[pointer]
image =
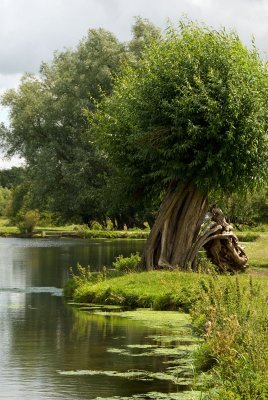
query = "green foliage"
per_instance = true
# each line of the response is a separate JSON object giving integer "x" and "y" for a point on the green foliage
{"x": 127, "y": 264}
{"x": 143, "y": 32}
{"x": 204, "y": 265}
{"x": 81, "y": 276}
{"x": 20, "y": 201}
{"x": 10, "y": 178}
{"x": 192, "y": 110}
{"x": 95, "y": 226}
{"x": 28, "y": 221}
{"x": 49, "y": 130}
{"x": 5, "y": 199}
{"x": 48, "y": 218}
{"x": 245, "y": 209}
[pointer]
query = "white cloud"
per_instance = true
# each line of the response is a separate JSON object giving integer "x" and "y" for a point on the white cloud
{"x": 30, "y": 30}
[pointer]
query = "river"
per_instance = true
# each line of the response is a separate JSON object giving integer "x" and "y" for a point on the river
{"x": 51, "y": 350}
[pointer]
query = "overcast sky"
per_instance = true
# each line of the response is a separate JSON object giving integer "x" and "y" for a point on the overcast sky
{"x": 31, "y": 30}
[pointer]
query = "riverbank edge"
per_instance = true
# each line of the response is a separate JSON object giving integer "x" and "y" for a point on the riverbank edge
{"x": 224, "y": 310}
{"x": 86, "y": 233}
{"x": 90, "y": 234}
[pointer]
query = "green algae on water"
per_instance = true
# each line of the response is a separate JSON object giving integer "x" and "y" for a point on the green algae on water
{"x": 188, "y": 395}
{"x": 132, "y": 375}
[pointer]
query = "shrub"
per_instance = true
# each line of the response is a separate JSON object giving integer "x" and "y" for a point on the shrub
{"x": 127, "y": 264}
{"x": 96, "y": 226}
{"x": 28, "y": 221}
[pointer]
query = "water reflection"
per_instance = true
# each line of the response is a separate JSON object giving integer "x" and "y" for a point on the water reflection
{"x": 46, "y": 262}
{"x": 41, "y": 335}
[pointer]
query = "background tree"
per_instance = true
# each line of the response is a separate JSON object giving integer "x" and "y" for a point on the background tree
{"x": 190, "y": 118}
{"x": 10, "y": 178}
{"x": 48, "y": 127}
{"x": 246, "y": 209}
{"x": 5, "y": 199}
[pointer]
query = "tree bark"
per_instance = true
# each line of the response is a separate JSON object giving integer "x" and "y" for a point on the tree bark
{"x": 176, "y": 237}
{"x": 176, "y": 228}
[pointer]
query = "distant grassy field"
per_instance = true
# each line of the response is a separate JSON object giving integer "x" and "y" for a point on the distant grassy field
{"x": 257, "y": 251}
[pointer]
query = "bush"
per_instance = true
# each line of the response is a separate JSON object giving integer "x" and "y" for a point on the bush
{"x": 96, "y": 226}
{"x": 28, "y": 221}
{"x": 127, "y": 264}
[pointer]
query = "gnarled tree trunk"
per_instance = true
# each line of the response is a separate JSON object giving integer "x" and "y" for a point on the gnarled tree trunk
{"x": 176, "y": 228}
{"x": 176, "y": 236}
{"x": 222, "y": 245}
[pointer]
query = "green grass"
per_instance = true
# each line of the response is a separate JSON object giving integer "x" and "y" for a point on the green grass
{"x": 5, "y": 229}
{"x": 101, "y": 234}
{"x": 258, "y": 251}
{"x": 157, "y": 289}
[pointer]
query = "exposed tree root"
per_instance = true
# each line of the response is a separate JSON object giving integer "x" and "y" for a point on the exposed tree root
{"x": 177, "y": 236}
{"x": 222, "y": 245}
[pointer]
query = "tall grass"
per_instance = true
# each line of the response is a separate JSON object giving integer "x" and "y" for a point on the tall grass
{"x": 232, "y": 316}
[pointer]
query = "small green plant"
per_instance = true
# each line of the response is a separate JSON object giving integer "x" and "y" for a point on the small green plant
{"x": 82, "y": 276}
{"x": 127, "y": 264}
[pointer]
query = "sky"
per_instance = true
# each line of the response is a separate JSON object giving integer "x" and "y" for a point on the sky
{"x": 31, "y": 30}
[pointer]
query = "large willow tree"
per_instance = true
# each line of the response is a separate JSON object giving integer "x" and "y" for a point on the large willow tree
{"x": 189, "y": 119}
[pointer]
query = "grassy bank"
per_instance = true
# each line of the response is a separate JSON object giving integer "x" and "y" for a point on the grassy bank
{"x": 79, "y": 231}
{"x": 229, "y": 312}
{"x": 159, "y": 290}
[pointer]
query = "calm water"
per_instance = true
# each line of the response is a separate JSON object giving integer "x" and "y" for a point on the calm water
{"x": 40, "y": 335}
